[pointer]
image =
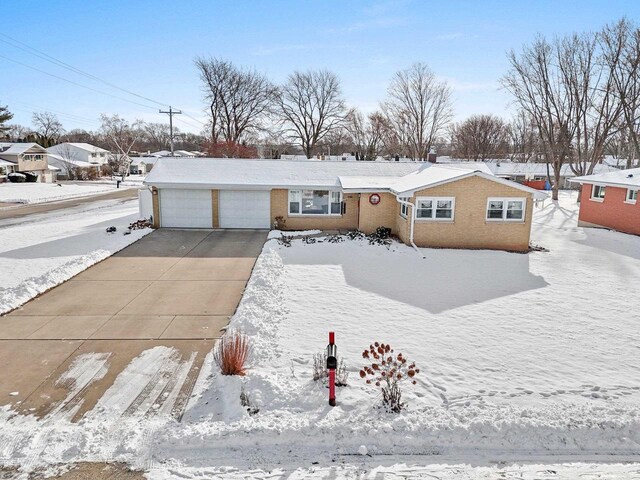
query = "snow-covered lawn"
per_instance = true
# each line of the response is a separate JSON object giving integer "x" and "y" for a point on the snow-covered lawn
{"x": 41, "y": 251}
{"x": 48, "y": 192}
{"x": 520, "y": 355}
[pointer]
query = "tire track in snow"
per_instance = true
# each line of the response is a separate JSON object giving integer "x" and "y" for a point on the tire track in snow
{"x": 83, "y": 371}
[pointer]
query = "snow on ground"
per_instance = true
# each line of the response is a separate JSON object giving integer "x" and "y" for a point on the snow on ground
{"x": 49, "y": 192}
{"x": 529, "y": 369}
{"x": 520, "y": 355}
{"x": 138, "y": 403}
{"x": 38, "y": 252}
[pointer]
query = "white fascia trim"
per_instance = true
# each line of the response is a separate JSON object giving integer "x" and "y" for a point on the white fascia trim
{"x": 628, "y": 186}
{"x": 502, "y": 181}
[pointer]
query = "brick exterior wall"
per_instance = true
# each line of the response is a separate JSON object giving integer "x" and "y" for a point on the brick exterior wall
{"x": 215, "y": 203}
{"x": 280, "y": 208}
{"x": 384, "y": 214}
{"x": 469, "y": 228}
{"x": 612, "y": 213}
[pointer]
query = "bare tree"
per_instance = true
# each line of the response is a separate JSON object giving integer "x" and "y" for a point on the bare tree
{"x": 238, "y": 99}
{"x": 587, "y": 71}
{"x": 311, "y": 107}
{"x": 621, "y": 46}
{"x": 523, "y": 142}
{"x": 16, "y": 133}
{"x": 480, "y": 137}
{"x": 419, "y": 108}
{"x": 121, "y": 136}
{"x": 157, "y": 136}
{"x": 48, "y": 128}
{"x": 536, "y": 82}
{"x": 369, "y": 135}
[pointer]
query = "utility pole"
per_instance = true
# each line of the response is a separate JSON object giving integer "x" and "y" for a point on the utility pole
{"x": 171, "y": 113}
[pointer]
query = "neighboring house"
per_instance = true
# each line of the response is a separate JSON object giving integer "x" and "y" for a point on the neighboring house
{"x": 610, "y": 200}
{"x": 522, "y": 172}
{"x": 83, "y": 152}
{"x": 138, "y": 166}
{"x": 67, "y": 166}
{"x": 27, "y": 158}
{"x": 452, "y": 206}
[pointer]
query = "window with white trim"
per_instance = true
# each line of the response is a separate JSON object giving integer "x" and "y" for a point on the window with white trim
{"x": 632, "y": 196}
{"x": 435, "y": 208}
{"x": 404, "y": 208}
{"x": 506, "y": 209}
{"x": 315, "y": 202}
{"x": 597, "y": 192}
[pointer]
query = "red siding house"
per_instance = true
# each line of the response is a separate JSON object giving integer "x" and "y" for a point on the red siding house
{"x": 610, "y": 200}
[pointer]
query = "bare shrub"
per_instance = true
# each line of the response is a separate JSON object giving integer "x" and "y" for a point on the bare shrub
{"x": 245, "y": 401}
{"x": 320, "y": 372}
{"x": 387, "y": 370}
{"x": 232, "y": 352}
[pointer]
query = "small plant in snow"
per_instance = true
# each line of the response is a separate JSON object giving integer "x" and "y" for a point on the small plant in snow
{"x": 284, "y": 240}
{"x": 355, "y": 235}
{"x": 231, "y": 353}
{"x": 279, "y": 223}
{"x": 382, "y": 236}
{"x": 308, "y": 240}
{"x": 387, "y": 370}
{"x": 245, "y": 401}
{"x": 335, "y": 238}
{"x": 320, "y": 372}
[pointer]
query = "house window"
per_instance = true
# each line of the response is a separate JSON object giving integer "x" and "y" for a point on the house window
{"x": 506, "y": 209}
{"x": 435, "y": 208}
{"x": 597, "y": 193}
{"x": 632, "y": 196}
{"x": 404, "y": 208}
{"x": 315, "y": 202}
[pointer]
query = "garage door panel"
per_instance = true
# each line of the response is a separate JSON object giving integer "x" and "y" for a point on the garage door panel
{"x": 245, "y": 208}
{"x": 181, "y": 208}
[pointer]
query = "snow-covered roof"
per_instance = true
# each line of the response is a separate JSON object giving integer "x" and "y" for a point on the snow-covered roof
{"x": 508, "y": 169}
{"x": 256, "y": 173}
{"x": 396, "y": 177}
{"x": 18, "y": 148}
{"x": 59, "y": 161}
{"x": 619, "y": 178}
{"x": 6, "y": 163}
{"x": 83, "y": 146}
{"x": 366, "y": 184}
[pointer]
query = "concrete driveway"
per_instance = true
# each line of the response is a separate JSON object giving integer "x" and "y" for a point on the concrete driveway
{"x": 173, "y": 288}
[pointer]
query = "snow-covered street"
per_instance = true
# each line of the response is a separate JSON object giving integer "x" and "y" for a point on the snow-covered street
{"x": 49, "y": 192}
{"x": 39, "y": 252}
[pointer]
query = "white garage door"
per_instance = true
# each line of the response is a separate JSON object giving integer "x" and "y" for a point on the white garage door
{"x": 245, "y": 209}
{"x": 185, "y": 208}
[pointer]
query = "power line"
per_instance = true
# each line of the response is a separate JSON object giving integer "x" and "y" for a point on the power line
{"x": 75, "y": 83}
{"x": 49, "y": 58}
{"x": 55, "y": 61}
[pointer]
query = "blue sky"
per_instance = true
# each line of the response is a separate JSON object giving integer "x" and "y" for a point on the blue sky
{"x": 148, "y": 47}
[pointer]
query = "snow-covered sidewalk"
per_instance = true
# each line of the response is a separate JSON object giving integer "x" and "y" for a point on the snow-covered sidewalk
{"x": 41, "y": 251}
{"x": 49, "y": 192}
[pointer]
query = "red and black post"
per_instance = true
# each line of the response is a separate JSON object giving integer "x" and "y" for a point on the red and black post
{"x": 332, "y": 364}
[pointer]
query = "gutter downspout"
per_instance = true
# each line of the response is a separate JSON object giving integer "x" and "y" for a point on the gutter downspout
{"x": 413, "y": 218}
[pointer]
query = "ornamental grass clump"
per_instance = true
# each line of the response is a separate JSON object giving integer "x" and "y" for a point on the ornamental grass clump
{"x": 231, "y": 353}
{"x": 387, "y": 371}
